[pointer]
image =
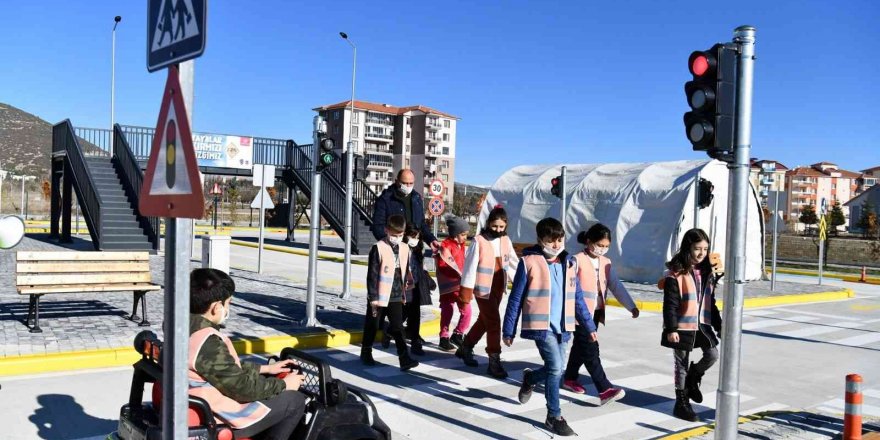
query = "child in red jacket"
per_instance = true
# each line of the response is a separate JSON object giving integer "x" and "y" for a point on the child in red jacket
{"x": 450, "y": 262}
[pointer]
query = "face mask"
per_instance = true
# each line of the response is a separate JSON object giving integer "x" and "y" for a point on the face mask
{"x": 549, "y": 252}
{"x": 492, "y": 234}
{"x": 225, "y": 316}
{"x": 406, "y": 189}
{"x": 394, "y": 241}
{"x": 412, "y": 243}
{"x": 598, "y": 251}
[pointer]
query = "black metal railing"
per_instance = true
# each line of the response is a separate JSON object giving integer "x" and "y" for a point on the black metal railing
{"x": 95, "y": 142}
{"x": 132, "y": 177}
{"x": 65, "y": 140}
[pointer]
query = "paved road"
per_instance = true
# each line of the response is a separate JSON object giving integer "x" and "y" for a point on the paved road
{"x": 793, "y": 357}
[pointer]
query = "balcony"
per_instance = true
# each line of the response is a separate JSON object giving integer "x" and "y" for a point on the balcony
{"x": 381, "y": 137}
{"x": 432, "y": 152}
{"x": 433, "y": 125}
{"x": 379, "y": 150}
{"x": 371, "y": 179}
{"x": 379, "y": 121}
{"x": 803, "y": 182}
{"x": 433, "y": 140}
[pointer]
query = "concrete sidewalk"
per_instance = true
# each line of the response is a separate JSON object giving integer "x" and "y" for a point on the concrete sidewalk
{"x": 784, "y": 425}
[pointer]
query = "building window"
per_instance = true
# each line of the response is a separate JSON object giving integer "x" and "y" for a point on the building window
{"x": 446, "y": 151}
{"x": 335, "y": 114}
{"x": 445, "y": 163}
{"x": 354, "y": 145}
{"x": 446, "y": 123}
{"x": 407, "y": 134}
{"x": 445, "y": 137}
{"x": 335, "y": 129}
{"x": 354, "y": 132}
{"x": 354, "y": 117}
{"x": 446, "y": 177}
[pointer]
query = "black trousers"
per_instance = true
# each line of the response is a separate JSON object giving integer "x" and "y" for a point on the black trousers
{"x": 287, "y": 410}
{"x": 414, "y": 317}
{"x": 586, "y": 352}
{"x": 394, "y": 312}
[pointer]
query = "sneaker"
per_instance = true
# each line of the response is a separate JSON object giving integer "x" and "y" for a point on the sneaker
{"x": 558, "y": 426}
{"x": 573, "y": 386}
{"x": 416, "y": 349}
{"x": 407, "y": 363}
{"x": 445, "y": 345}
{"x": 367, "y": 358}
{"x": 457, "y": 339}
{"x": 611, "y": 395}
{"x": 525, "y": 390}
{"x": 466, "y": 353}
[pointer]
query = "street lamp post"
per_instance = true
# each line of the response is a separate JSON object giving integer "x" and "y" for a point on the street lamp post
{"x": 216, "y": 191}
{"x": 349, "y": 167}
{"x": 116, "y": 21}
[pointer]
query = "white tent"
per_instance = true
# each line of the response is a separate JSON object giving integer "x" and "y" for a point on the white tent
{"x": 647, "y": 206}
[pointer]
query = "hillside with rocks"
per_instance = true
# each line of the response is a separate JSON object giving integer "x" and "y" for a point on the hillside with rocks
{"x": 25, "y": 142}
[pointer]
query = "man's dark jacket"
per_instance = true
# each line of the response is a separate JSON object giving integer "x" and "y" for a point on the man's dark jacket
{"x": 389, "y": 204}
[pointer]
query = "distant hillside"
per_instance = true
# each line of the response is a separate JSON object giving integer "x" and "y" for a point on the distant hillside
{"x": 470, "y": 189}
{"x": 25, "y": 142}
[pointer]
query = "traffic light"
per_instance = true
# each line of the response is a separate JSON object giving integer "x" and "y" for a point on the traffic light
{"x": 325, "y": 152}
{"x": 704, "y": 194}
{"x": 556, "y": 186}
{"x": 712, "y": 97}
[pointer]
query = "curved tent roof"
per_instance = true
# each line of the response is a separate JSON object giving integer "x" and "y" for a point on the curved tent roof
{"x": 647, "y": 206}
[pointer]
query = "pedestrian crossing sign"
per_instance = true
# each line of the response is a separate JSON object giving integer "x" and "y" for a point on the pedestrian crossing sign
{"x": 176, "y": 31}
{"x": 172, "y": 187}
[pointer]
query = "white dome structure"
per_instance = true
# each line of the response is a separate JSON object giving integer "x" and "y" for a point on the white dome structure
{"x": 647, "y": 206}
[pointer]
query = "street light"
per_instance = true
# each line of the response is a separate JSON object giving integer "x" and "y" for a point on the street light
{"x": 216, "y": 191}
{"x": 116, "y": 21}
{"x": 349, "y": 165}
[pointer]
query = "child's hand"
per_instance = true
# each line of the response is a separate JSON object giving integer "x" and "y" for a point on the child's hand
{"x": 594, "y": 337}
{"x": 292, "y": 382}
{"x": 278, "y": 367}
{"x": 375, "y": 306}
{"x": 635, "y": 312}
{"x": 508, "y": 341}
{"x": 672, "y": 337}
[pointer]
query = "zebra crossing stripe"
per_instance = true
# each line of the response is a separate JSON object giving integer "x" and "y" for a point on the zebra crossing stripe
{"x": 838, "y": 405}
{"x": 859, "y": 340}
{"x": 411, "y": 425}
{"x": 816, "y": 330}
{"x": 755, "y": 325}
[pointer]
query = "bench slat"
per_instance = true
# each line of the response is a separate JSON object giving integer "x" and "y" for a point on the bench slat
{"x": 75, "y": 267}
{"x": 82, "y": 256}
{"x": 73, "y": 288}
{"x": 98, "y": 278}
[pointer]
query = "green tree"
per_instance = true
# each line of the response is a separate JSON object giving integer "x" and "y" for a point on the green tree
{"x": 808, "y": 217}
{"x": 868, "y": 221}
{"x": 836, "y": 218}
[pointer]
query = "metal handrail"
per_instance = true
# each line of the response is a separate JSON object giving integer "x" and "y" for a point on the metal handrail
{"x": 64, "y": 140}
{"x": 125, "y": 163}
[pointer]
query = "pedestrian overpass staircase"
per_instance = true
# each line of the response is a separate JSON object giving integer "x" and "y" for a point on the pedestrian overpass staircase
{"x": 108, "y": 186}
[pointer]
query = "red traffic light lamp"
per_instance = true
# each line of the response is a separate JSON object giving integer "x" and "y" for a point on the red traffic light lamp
{"x": 711, "y": 95}
{"x": 556, "y": 186}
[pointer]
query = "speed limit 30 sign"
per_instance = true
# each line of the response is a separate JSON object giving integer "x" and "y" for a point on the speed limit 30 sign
{"x": 437, "y": 187}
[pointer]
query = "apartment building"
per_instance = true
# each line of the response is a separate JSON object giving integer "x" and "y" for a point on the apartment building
{"x": 808, "y": 185}
{"x": 391, "y": 138}
{"x": 768, "y": 177}
{"x": 869, "y": 178}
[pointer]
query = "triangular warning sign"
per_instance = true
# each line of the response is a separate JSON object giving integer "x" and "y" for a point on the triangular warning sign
{"x": 176, "y": 22}
{"x": 172, "y": 187}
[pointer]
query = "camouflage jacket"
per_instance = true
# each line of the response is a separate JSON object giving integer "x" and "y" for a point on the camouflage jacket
{"x": 217, "y": 365}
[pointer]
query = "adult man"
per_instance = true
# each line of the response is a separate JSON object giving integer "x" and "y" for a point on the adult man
{"x": 399, "y": 198}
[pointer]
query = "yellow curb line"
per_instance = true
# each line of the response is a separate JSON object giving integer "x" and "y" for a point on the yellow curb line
{"x": 657, "y": 306}
{"x": 700, "y": 430}
{"x": 122, "y": 356}
{"x": 275, "y": 248}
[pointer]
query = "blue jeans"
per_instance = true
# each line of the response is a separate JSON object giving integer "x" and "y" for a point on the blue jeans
{"x": 552, "y": 351}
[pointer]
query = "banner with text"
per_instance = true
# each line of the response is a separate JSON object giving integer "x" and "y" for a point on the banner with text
{"x": 219, "y": 150}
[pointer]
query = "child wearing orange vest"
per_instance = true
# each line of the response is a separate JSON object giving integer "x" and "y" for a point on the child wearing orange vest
{"x": 244, "y": 395}
{"x": 450, "y": 261}
{"x": 489, "y": 263}
{"x": 596, "y": 277}
{"x": 387, "y": 268}
{"x": 689, "y": 317}
{"x": 547, "y": 292}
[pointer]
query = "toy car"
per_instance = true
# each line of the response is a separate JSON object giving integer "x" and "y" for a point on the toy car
{"x": 334, "y": 411}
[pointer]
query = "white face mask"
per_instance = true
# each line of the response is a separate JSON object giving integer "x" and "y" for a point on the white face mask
{"x": 225, "y": 316}
{"x": 549, "y": 252}
{"x": 394, "y": 241}
{"x": 412, "y": 243}
{"x": 406, "y": 189}
{"x": 598, "y": 251}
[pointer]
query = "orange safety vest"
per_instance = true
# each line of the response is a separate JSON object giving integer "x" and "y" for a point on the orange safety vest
{"x": 486, "y": 264}
{"x": 237, "y": 415}
{"x": 536, "y": 307}
{"x": 693, "y": 303}
{"x": 446, "y": 282}
{"x": 594, "y": 290}
{"x": 387, "y": 268}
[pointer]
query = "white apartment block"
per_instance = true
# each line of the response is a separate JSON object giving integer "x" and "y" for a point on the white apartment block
{"x": 391, "y": 138}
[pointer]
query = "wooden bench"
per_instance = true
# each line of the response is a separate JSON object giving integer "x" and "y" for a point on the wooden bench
{"x": 42, "y": 273}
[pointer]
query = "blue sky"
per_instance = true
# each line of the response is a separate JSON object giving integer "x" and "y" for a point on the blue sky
{"x": 533, "y": 82}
